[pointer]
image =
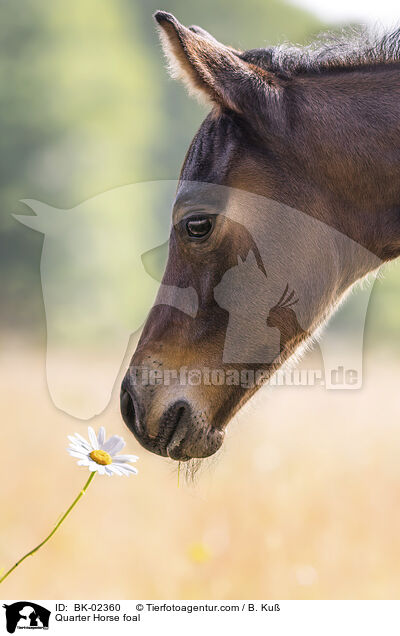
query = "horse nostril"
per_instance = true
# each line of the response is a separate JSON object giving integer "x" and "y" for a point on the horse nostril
{"x": 128, "y": 411}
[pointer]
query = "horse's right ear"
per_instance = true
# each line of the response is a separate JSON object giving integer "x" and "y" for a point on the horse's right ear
{"x": 211, "y": 70}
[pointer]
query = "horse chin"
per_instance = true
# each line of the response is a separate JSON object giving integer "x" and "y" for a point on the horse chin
{"x": 188, "y": 442}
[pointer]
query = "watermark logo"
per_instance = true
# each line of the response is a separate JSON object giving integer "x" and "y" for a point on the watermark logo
{"x": 26, "y": 615}
{"x": 101, "y": 271}
{"x": 243, "y": 378}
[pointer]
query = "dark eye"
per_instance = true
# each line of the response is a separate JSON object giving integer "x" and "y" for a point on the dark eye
{"x": 198, "y": 227}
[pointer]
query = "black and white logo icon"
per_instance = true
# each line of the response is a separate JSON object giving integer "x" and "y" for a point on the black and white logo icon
{"x": 26, "y": 615}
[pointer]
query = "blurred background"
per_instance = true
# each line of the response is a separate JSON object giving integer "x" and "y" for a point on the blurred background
{"x": 303, "y": 501}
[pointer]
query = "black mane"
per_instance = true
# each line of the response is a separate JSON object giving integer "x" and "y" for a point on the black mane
{"x": 350, "y": 50}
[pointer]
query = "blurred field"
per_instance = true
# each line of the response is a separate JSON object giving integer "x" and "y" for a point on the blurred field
{"x": 303, "y": 502}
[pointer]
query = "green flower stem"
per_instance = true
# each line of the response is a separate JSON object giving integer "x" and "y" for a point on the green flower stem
{"x": 65, "y": 515}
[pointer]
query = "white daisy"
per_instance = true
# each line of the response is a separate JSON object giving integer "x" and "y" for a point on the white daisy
{"x": 101, "y": 455}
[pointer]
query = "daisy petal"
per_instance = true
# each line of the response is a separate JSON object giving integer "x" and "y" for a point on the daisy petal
{"x": 126, "y": 458}
{"x": 78, "y": 449}
{"x": 83, "y": 462}
{"x": 114, "y": 469}
{"x": 128, "y": 468}
{"x": 123, "y": 470}
{"x": 114, "y": 445}
{"x": 76, "y": 442}
{"x": 77, "y": 454}
{"x": 93, "y": 438}
{"x": 82, "y": 440}
{"x": 101, "y": 436}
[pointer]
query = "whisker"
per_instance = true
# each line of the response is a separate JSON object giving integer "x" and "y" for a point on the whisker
{"x": 289, "y": 297}
{"x": 292, "y": 303}
{"x": 283, "y": 295}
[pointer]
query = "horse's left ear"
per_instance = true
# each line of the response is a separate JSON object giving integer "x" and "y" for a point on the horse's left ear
{"x": 211, "y": 70}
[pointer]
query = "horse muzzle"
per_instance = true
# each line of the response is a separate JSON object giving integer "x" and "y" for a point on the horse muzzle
{"x": 178, "y": 430}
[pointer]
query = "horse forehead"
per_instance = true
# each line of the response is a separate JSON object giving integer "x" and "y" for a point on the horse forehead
{"x": 213, "y": 151}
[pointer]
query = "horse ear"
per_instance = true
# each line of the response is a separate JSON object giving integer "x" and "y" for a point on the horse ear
{"x": 211, "y": 70}
{"x": 205, "y": 34}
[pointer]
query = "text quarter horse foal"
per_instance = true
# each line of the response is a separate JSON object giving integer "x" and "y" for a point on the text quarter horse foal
{"x": 288, "y": 195}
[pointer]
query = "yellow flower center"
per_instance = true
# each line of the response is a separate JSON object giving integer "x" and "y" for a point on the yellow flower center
{"x": 101, "y": 457}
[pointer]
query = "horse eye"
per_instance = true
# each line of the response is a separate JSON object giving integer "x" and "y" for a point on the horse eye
{"x": 199, "y": 227}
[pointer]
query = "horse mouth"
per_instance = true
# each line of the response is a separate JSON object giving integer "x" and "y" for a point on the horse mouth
{"x": 176, "y": 442}
{"x": 170, "y": 438}
{"x": 178, "y": 437}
